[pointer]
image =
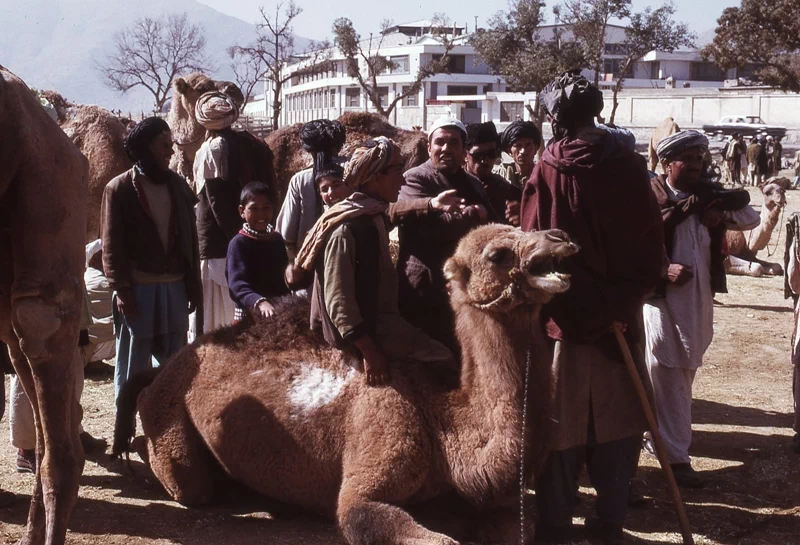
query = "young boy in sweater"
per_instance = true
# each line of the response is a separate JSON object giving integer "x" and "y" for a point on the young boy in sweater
{"x": 256, "y": 256}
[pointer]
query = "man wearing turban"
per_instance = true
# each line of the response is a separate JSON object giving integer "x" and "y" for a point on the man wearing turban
{"x": 520, "y": 140}
{"x": 596, "y": 190}
{"x": 356, "y": 281}
{"x": 679, "y": 318}
{"x": 227, "y": 161}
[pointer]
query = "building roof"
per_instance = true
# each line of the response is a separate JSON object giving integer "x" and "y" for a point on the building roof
{"x": 691, "y": 55}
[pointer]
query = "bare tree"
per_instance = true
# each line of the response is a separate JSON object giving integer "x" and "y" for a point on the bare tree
{"x": 274, "y": 49}
{"x": 589, "y": 20}
{"x": 366, "y": 65}
{"x": 648, "y": 31}
{"x": 152, "y": 53}
{"x": 248, "y": 70}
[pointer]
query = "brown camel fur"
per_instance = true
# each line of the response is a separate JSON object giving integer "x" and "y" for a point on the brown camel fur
{"x": 667, "y": 128}
{"x": 42, "y": 224}
{"x": 278, "y": 410}
{"x": 187, "y": 133}
{"x": 743, "y": 246}
{"x": 99, "y": 135}
{"x": 290, "y": 157}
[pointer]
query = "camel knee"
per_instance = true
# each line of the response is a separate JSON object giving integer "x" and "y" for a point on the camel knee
{"x": 36, "y": 321}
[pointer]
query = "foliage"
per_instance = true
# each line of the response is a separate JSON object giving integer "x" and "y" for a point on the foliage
{"x": 589, "y": 20}
{"x": 364, "y": 63}
{"x": 272, "y": 51}
{"x": 152, "y": 53}
{"x": 511, "y": 47}
{"x": 766, "y": 34}
{"x": 248, "y": 70}
{"x": 652, "y": 29}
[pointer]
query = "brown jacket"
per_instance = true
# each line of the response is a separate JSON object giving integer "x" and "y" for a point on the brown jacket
{"x": 130, "y": 237}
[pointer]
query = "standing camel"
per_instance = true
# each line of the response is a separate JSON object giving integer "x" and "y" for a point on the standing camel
{"x": 667, "y": 128}
{"x": 272, "y": 406}
{"x": 743, "y": 246}
{"x": 43, "y": 188}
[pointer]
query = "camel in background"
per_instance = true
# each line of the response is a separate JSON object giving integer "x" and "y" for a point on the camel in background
{"x": 290, "y": 157}
{"x": 667, "y": 128}
{"x": 43, "y": 188}
{"x": 743, "y": 246}
{"x": 273, "y": 407}
{"x": 187, "y": 133}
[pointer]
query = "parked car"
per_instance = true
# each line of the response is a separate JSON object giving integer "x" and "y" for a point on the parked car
{"x": 746, "y": 125}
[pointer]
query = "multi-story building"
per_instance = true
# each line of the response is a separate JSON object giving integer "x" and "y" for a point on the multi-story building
{"x": 468, "y": 91}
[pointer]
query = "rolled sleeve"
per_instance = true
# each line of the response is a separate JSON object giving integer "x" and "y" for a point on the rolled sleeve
{"x": 339, "y": 288}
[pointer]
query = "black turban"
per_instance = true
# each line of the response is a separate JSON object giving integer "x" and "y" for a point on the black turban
{"x": 137, "y": 146}
{"x": 520, "y": 129}
{"x": 570, "y": 98}
{"x": 481, "y": 133}
{"x": 322, "y": 138}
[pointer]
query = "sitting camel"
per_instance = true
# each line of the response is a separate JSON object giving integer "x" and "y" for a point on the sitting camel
{"x": 272, "y": 406}
{"x": 667, "y": 128}
{"x": 42, "y": 224}
{"x": 743, "y": 246}
{"x": 187, "y": 133}
{"x": 290, "y": 157}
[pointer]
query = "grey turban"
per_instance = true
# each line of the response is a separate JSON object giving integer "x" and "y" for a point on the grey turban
{"x": 679, "y": 142}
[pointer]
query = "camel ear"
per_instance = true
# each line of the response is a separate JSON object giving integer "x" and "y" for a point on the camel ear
{"x": 455, "y": 270}
{"x": 180, "y": 86}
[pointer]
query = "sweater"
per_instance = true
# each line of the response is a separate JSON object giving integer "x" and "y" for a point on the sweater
{"x": 254, "y": 269}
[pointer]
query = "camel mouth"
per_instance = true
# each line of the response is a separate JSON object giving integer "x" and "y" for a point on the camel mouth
{"x": 545, "y": 271}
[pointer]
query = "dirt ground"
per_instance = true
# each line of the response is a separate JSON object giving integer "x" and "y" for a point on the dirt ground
{"x": 742, "y": 434}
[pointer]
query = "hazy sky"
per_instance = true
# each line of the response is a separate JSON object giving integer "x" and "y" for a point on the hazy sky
{"x": 315, "y": 21}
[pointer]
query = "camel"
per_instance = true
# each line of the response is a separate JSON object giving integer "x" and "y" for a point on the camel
{"x": 667, "y": 128}
{"x": 43, "y": 187}
{"x": 743, "y": 246}
{"x": 271, "y": 405}
{"x": 100, "y": 136}
{"x": 290, "y": 157}
{"x": 187, "y": 133}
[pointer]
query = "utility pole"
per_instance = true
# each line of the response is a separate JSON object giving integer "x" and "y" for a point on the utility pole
{"x": 476, "y": 24}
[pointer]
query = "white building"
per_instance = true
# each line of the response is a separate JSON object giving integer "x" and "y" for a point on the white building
{"x": 469, "y": 91}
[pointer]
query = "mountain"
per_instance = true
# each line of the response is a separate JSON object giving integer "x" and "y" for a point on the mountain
{"x": 56, "y": 44}
{"x": 705, "y": 38}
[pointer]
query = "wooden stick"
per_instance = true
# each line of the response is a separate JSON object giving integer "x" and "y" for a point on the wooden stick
{"x": 661, "y": 452}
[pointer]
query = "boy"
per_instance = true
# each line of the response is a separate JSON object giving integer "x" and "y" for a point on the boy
{"x": 256, "y": 256}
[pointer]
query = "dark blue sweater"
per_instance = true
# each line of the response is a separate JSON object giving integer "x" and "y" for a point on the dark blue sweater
{"x": 254, "y": 269}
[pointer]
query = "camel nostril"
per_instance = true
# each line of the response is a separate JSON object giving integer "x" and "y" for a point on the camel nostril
{"x": 557, "y": 236}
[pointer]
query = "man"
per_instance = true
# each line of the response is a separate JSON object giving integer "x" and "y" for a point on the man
{"x": 734, "y": 158}
{"x": 679, "y": 318}
{"x": 482, "y": 151}
{"x": 6, "y": 498}
{"x": 595, "y": 189}
{"x": 796, "y": 167}
{"x": 777, "y": 156}
{"x": 753, "y": 164}
{"x": 728, "y": 152}
{"x": 427, "y": 241}
{"x": 520, "y": 140}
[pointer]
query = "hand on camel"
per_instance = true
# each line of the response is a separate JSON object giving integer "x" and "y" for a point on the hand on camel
{"x": 448, "y": 202}
{"x": 679, "y": 274}
{"x": 294, "y": 275}
{"x": 621, "y": 326}
{"x": 512, "y": 213}
{"x": 266, "y": 309}
{"x": 376, "y": 366}
{"x": 126, "y": 303}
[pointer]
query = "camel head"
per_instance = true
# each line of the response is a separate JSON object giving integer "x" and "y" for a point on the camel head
{"x": 774, "y": 196}
{"x": 498, "y": 267}
{"x": 187, "y": 90}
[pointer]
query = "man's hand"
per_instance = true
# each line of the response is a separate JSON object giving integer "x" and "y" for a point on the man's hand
{"x": 265, "y": 309}
{"x": 447, "y": 202}
{"x": 679, "y": 274}
{"x": 126, "y": 302}
{"x": 294, "y": 275}
{"x": 476, "y": 211}
{"x": 512, "y": 213}
{"x": 376, "y": 366}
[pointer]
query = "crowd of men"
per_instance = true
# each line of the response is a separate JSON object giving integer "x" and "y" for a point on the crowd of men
{"x": 650, "y": 262}
{"x": 760, "y": 159}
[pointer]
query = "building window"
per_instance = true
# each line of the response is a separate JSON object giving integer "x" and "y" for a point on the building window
{"x": 511, "y": 111}
{"x": 383, "y": 93}
{"x": 352, "y": 95}
{"x": 655, "y": 70}
{"x": 410, "y": 100}
{"x": 615, "y": 49}
{"x": 456, "y": 64}
{"x": 707, "y": 71}
{"x": 333, "y": 98}
{"x": 462, "y": 90}
{"x": 614, "y": 67}
{"x": 400, "y": 65}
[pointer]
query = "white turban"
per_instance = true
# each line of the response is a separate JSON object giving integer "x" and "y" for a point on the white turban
{"x": 216, "y": 111}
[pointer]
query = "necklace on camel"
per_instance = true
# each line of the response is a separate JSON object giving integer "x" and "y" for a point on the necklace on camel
{"x": 522, "y": 487}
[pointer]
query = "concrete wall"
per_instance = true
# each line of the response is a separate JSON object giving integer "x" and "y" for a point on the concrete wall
{"x": 697, "y": 107}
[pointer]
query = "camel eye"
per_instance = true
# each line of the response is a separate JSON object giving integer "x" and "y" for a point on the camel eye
{"x": 499, "y": 255}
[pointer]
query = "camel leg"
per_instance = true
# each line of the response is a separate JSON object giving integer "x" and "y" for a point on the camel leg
{"x": 740, "y": 267}
{"x": 175, "y": 451}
